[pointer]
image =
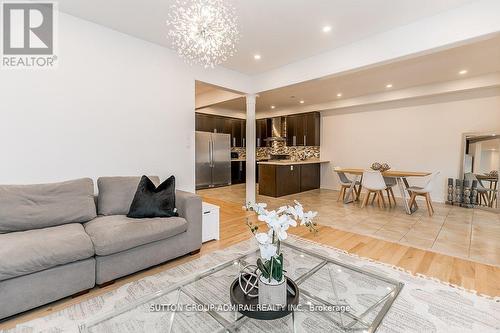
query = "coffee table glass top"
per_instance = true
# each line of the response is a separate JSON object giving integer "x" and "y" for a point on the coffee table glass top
{"x": 324, "y": 284}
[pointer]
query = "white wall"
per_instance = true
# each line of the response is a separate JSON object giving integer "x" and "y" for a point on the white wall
{"x": 116, "y": 105}
{"x": 416, "y": 135}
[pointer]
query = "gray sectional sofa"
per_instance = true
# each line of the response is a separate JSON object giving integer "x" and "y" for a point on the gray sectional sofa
{"x": 57, "y": 239}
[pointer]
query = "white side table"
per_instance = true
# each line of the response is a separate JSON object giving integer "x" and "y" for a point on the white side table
{"x": 210, "y": 227}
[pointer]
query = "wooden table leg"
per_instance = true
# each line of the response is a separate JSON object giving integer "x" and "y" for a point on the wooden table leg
{"x": 492, "y": 193}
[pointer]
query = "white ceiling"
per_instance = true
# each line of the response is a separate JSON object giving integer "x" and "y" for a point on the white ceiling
{"x": 478, "y": 58}
{"x": 281, "y": 31}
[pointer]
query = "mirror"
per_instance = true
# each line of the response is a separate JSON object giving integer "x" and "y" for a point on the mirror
{"x": 481, "y": 164}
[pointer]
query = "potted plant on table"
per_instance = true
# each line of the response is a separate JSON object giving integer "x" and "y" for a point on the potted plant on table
{"x": 272, "y": 280}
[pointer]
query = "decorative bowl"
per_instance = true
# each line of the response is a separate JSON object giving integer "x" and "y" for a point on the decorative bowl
{"x": 376, "y": 166}
{"x": 384, "y": 167}
{"x": 380, "y": 166}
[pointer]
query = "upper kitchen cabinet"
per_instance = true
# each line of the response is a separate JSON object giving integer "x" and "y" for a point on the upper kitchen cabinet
{"x": 219, "y": 124}
{"x": 228, "y": 125}
{"x": 205, "y": 123}
{"x": 295, "y": 130}
{"x": 262, "y": 132}
{"x": 236, "y": 133}
{"x": 243, "y": 133}
{"x": 312, "y": 129}
{"x": 303, "y": 129}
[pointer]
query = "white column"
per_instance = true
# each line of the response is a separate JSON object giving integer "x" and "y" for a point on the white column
{"x": 250, "y": 149}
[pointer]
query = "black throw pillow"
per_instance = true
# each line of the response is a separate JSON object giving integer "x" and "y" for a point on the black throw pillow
{"x": 152, "y": 201}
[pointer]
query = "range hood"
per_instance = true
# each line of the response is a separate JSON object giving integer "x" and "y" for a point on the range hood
{"x": 278, "y": 125}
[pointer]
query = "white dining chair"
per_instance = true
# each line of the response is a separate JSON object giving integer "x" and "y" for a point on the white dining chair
{"x": 374, "y": 184}
{"x": 390, "y": 182}
{"x": 425, "y": 192}
{"x": 346, "y": 183}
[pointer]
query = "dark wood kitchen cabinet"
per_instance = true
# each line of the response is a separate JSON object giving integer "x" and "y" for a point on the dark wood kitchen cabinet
{"x": 277, "y": 180}
{"x": 236, "y": 139}
{"x": 303, "y": 129}
{"x": 309, "y": 177}
{"x": 213, "y": 124}
{"x": 290, "y": 179}
{"x": 290, "y": 130}
{"x": 243, "y": 125}
{"x": 219, "y": 124}
{"x": 312, "y": 129}
{"x": 205, "y": 123}
{"x": 294, "y": 130}
{"x": 261, "y": 132}
{"x": 228, "y": 123}
{"x": 238, "y": 172}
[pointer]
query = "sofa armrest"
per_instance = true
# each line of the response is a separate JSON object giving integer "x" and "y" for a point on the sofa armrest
{"x": 189, "y": 207}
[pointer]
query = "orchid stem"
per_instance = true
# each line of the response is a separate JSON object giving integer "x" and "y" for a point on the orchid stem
{"x": 271, "y": 270}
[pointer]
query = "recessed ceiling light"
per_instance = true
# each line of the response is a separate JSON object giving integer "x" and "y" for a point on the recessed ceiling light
{"x": 257, "y": 57}
{"x": 327, "y": 28}
{"x": 463, "y": 72}
{"x": 273, "y": 107}
{"x": 339, "y": 95}
{"x": 301, "y": 102}
{"x": 388, "y": 85}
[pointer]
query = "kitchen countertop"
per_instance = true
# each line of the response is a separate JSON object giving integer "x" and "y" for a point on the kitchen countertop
{"x": 244, "y": 159}
{"x": 290, "y": 162}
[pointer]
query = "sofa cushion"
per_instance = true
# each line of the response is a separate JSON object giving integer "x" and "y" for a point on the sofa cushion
{"x": 26, "y": 207}
{"x": 152, "y": 201}
{"x": 116, "y": 194}
{"x": 26, "y": 252}
{"x": 116, "y": 233}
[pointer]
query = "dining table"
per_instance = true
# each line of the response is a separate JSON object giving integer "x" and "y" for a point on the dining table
{"x": 401, "y": 179}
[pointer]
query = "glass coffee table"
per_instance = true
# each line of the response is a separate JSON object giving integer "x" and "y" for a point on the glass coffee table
{"x": 334, "y": 297}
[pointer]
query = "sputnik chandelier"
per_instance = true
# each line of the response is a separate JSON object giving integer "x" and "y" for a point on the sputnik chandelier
{"x": 203, "y": 32}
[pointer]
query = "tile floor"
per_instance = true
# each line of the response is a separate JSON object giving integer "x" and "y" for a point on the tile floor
{"x": 465, "y": 233}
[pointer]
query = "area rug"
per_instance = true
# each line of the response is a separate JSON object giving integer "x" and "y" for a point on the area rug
{"x": 424, "y": 304}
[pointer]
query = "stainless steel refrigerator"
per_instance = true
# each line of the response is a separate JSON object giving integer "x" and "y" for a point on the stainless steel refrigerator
{"x": 213, "y": 159}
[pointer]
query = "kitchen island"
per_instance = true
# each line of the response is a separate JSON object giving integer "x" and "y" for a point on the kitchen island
{"x": 285, "y": 177}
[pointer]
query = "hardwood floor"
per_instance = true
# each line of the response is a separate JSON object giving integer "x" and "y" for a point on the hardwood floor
{"x": 470, "y": 234}
{"x": 465, "y": 273}
{"x": 233, "y": 229}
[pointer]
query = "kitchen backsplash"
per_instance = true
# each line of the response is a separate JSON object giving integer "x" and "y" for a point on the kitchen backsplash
{"x": 296, "y": 153}
{"x": 241, "y": 151}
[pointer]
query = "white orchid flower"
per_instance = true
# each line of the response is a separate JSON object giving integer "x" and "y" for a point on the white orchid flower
{"x": 282, "y": 209}
{"x": 281, "y": 233}
{"x": 308, "y": 217}
{"x": 262, "y": 238}
{"x": 278, "y": 222}
{"x": 259, "y": 208}
{"x": 289, "y": 221}
{"x": 267, "y": 251}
